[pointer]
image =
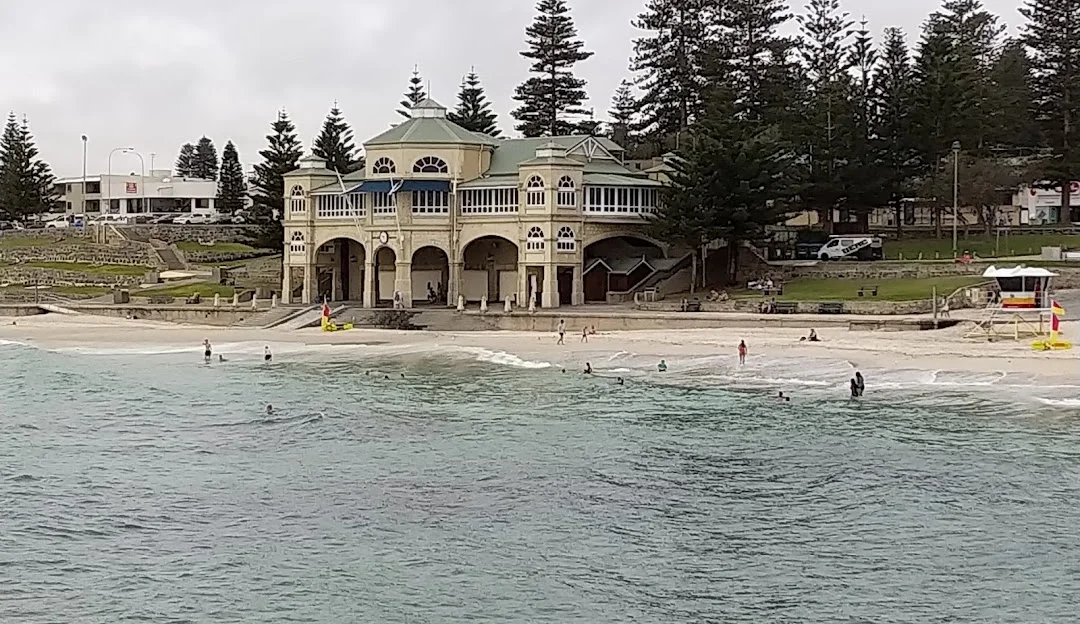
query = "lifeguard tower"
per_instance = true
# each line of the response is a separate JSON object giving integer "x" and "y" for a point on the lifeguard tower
{"x": 1019, "y": 305}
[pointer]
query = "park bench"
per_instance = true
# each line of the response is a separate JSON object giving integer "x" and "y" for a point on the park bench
{"x": 778, "y": 290}
{"x": 691, "y": 305}
{"x": 160, "y": 300}
{"x": 868, "y": 290}
{"x": 196, "y": 298}
{"x": 785, "y": 307}
{"x": 831, "y": 307}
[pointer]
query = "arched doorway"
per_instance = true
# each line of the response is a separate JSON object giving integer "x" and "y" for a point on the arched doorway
{"x": 430, "y": 275}
{"x": 339, "y": 265}
{"x": 385, "y": 274}
{"x": 490, "y": 269}
{"x": 618, "y": 264}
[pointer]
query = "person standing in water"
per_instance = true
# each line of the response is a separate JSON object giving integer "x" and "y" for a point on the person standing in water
{"x": 267, "y": 356}
{"x": 854, "y": 388}
{"x": 208, "y": 352}
{"x": 742, "y": 352}
{"x": 584, "y": 334}
{"x": 860, "y": 384}
{"x": 661, "y": 367}
{"x": 562, "y": 331}
{"x": 588, "y": 368}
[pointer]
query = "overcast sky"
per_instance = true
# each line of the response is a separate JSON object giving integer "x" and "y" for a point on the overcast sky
{"x": 153, "y": 74}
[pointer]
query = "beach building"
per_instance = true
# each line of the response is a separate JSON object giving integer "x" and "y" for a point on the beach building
{"x": 440, "y": 211}
{"x": 157, "y": 192}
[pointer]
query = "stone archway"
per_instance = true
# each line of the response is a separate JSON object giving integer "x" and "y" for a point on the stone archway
{"x": 385, "y": 267}
{"x": 339, "y": 265}
{"x": 613, "y": 264}
{"x": 489, "y": 269}
{"x": 430, "y": 275}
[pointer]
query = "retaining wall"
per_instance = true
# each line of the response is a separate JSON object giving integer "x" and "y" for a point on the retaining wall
{"x": 194, "y": 233}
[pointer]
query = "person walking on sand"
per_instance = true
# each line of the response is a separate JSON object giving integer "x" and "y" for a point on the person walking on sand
{"x": 742, "y": 352}
{"x": 208, "y": 351}
{"x": 584, "y": 334}
{"x": 562, "y": 331}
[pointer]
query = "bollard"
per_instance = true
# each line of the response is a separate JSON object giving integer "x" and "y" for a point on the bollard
{"x": 217, "y": 300}
{"x": 461, "y": 303}
{"x": 254, "y": 302}
{"x": 273, "y": 300}
{"x": 506, "y": 304}
{"x": 483, "y": 304}
{"x": 235, "y": 300}
{"x": 532, "y": 304}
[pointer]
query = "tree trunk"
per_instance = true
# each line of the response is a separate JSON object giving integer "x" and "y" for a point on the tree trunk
{"x": 733, "y": 264}
{"x": 693, "y": 272}
{"x": 899, "y": 221}
{"x": 1065, "y": 216}
{"x": 704, "y": 271}
{"x": 937, "y": 222}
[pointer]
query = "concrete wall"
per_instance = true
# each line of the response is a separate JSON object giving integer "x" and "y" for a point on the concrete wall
{"x": 647, "y": 321}
{"x": 197, "y": 315}
{"x": 195, "y": 233}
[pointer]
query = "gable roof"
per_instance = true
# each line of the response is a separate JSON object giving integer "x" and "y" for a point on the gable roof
{"x": 510, "y": 153}
{"x": 430, "y": 125}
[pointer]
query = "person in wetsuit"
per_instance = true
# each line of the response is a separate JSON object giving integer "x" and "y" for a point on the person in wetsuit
{"x": 267, "y": 356}
{"x": 859, "y": 383}
{"x": 854, "y": 388}
{"x": 588, "y": 368}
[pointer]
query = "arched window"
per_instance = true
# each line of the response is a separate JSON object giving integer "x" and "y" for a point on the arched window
{"x": 535, "y": 240}
{"x": 296, "y": 243}
{"x": 567, "y": 193}
{"x": 534, "y": 191}
{"x": 297, "y": 203}
{"x": 383, "y": 166}
{"x": 430, "y": 164}
{"x": 566, "y": 241}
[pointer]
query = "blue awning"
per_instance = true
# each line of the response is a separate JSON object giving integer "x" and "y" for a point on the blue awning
{"x": 407, "y": 186}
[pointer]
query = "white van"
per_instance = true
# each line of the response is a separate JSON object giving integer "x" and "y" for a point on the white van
{"x": 68, "y": 220}
{"x": 851, "y": 248}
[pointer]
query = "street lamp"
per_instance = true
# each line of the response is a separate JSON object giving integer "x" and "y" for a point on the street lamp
{"x": 84, "y": 139}
{"x": 142, "y": 170}
{"x": 955, "y": 192}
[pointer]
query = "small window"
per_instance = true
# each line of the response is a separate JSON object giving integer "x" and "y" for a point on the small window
{"x": 296, "y": 243}
{"x": 535, "y": 239}
{"x": 566, "y": 241}
{"x": 297, "y": 203}
{"x": 534, "y": 195}
{"x": 383, "y": 166}
{"x": 567, "y": 197}
{"x": 430, "y": 164}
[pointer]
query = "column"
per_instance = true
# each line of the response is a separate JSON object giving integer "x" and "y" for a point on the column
{"x": 309, "y": 294}
{"x": 453, "y": 286}
{"x": 403, "y": 282}
{"x": 550, "y": 296}
{"x": 286, "y": 282}
{"x": 370, "y": 284}
{"x": 579, "y": 287}
{"x": 523, "y": 285}
{"x": 335, "y": 284}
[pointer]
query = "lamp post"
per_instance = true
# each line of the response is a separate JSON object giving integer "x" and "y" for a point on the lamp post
{"x": 955, "y": 192}
{"x": 142, "y": 169}
{"x": 84, "y": 139}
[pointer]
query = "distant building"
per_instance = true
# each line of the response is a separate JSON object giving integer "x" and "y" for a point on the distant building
{"x": 158, "y": 192}
{"x": 439, "y": 211}
{"x": 1043, "y": 206}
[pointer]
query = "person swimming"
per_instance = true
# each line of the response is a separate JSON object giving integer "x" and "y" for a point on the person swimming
{"x": 588, "y": 368}
{"x": 269, "y": 409}
{"x": 780, "y": 397}
{"x": 267, "y": 356}
{"x": 221, "y": 358}
{"x": 661, "y": 367}
{"x": 619, "y": 381}
{"x": 860, "y": 383}
{"x": 208, "y": 351}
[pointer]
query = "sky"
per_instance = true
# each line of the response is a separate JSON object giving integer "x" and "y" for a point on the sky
{"x": 155, "y": 74}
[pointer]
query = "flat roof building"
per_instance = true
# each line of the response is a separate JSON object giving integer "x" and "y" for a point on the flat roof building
{"x": 157, "y": 192}
{"x": 440, "y": 211}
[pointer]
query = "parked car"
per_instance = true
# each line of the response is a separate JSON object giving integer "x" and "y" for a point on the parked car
{"x": 70, "y": 220}
{"x": 10, "y": 225}
{"x": 238, "y": 219}
{"x": 191, "y": 219}
{"x": 163, "y": 219}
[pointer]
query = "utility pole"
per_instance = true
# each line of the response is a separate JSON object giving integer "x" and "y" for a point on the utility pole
{"x": 955, "y": 192}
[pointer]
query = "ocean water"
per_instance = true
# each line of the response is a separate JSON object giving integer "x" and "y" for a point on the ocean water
{"x": 465, "y": 485}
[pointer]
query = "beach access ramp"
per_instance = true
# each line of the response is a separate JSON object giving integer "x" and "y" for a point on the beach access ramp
{"x": 309, "y": 318}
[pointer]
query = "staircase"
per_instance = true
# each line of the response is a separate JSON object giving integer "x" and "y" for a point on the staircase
{"x": 271, "y": 318}
{"x": 169, "y": 258}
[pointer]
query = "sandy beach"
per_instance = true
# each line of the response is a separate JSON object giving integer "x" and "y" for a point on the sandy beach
{"x": 943, "y": 350}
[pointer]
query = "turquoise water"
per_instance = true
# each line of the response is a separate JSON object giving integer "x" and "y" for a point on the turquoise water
{"x": 149, "y": 487}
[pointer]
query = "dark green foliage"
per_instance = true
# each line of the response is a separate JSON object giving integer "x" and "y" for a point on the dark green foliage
{"x": 414, "y": 94}
{"x": 281, "y": 156}
{"x": 624, "y": 117}
{"x": 335, "y": 143}
{"x": 473, "y": 110}
{"x": 185, "y": 162}
{"x": 27, "y": 185}
{"x": 205, "y": 164}
{"x": 232, "y": 188}
{"x": 552, "y": 95}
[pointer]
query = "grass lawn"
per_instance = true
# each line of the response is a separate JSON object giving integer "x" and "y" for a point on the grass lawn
{"x": 205, "y": 290}
{"x": 91, "y": 269}
{"x": 71, "y": 291}
{"x": 888, "y": 290}
{"x": 1018, "y": 245}
{"x": 216, "y": 247}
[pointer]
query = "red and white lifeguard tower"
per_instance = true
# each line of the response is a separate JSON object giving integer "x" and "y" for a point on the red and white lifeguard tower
{"x": 1019, "y": 305}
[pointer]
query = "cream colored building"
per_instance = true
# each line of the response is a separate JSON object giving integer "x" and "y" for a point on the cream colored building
{"x": 441, "y": 209}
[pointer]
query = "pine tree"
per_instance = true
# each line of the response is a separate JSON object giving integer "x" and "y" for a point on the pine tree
{"x": 232, "y": 188}
{"x": 553, "y": 94}
{"x": 280, "y": 157}
{"x": 27, "y": 185}
{"x": 335, "y": 143}
{"x": 669, "y": 58}
{"x": 185, "y": 162}
{"x": 893, "y": 91}
{"x": 863, "y": 173}
{"x": 624, "y": 117}
{"x": 205, "y": 164}
{"x": 1051, "y": 35}
{"x": 414, "y": 94}
{"x": 473, "y": 109}
{"x": 732, "y": 183}
{"x": 1010, "y": 116}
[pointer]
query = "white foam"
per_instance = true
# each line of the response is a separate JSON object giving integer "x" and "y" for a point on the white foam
{"x": 1059, "y": 402}
{"x": 503, "y": 358}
